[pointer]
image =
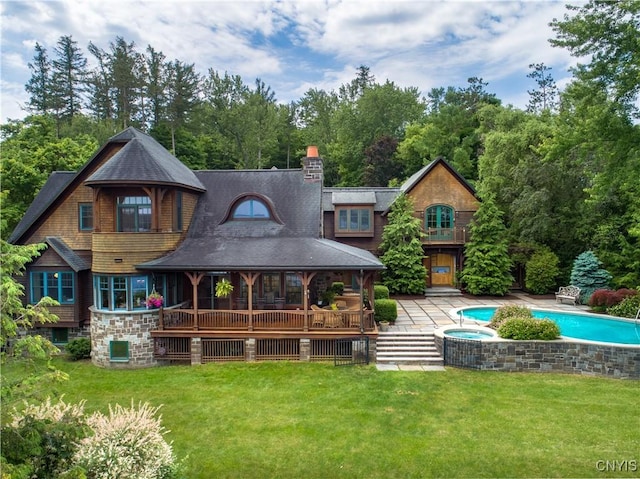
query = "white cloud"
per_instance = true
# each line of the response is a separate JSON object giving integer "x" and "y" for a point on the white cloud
{"x": 297, "y": 45}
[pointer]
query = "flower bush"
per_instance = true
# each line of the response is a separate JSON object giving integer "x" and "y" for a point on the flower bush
{"x": 155, "y": 300}
{"x": 129, "y": 442}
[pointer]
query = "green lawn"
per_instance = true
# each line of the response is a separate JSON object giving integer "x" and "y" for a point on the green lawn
{"x": 305, "y": 420}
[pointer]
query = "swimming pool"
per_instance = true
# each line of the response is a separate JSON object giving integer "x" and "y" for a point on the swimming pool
{"x": 587, "y": 326}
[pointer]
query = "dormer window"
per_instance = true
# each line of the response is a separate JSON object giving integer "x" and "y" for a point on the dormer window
{"x": 134, "y": 213}
{"x": 252, "y": 209}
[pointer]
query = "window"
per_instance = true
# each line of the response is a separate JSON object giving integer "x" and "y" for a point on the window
{"x": 58, "y": 285}
{"x": 271, "y": 284}
{"x": 251, "y": 209}
{"x": 130, "y": 292}
{"x": 85, "y": 217}
{"x": 293, "y": 289}
{"x": 134, "y": 213}
{"x": 354, "y": 221}
{"x": 119, "y": 350}
{"x": 59, "y": 335}
{"x": 439, "y": 222}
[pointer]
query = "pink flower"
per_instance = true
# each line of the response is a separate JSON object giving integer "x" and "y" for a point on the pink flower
{"x": 155, "y": 300}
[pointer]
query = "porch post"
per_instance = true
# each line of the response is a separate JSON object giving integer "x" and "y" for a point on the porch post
{"x": 306, "y": 278}
{"x": 250, "y": 279}
{"x": 195, "y": 279}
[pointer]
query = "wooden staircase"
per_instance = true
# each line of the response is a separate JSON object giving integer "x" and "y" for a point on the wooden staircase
{"x": 416, "y": 347}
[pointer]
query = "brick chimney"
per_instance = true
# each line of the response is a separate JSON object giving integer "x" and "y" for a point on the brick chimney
{"x": 312, "y": 166}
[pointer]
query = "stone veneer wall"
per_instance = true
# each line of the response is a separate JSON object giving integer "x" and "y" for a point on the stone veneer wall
{"x": 559, "y": 356}
{"x": 132, "y": 326}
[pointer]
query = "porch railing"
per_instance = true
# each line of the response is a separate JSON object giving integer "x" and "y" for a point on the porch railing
{"x": 242, "y": 320}
{"x": 458, "y": 235}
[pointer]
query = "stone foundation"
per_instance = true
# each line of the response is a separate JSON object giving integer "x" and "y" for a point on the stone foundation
{"x": 133, "y": 327}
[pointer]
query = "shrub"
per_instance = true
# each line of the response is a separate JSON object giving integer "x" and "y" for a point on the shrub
{"x": 627, "y": 308}
{"x": 79, "y": 348}
{"x": 524, "y": 328}
{"x": 380, "y": 291}
{"x": 505, "y": 312}
{"x": 42, "y": 439}
{"x": 129, "y": 442}
{"x": 541, "y": 272}
{"x": 603, "y": 299}
{"x": 386, "y": 310}
{"x": 587, "y": 275}
{"x": 337, "y": 287}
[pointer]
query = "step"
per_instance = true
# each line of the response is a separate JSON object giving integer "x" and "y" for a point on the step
{"x": 401, "y": 347}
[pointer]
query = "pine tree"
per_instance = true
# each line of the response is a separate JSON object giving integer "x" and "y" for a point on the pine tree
{"x": 402, "y": 247}
{"x": 69, "y": 72}
{"x": 39, "y": 85}
{"x": 545, "y": 97}
{"x": 487, "y": 269}
{"x": 588, "y": 275}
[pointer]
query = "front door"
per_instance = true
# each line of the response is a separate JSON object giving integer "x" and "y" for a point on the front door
{"x": 442, "y": 269}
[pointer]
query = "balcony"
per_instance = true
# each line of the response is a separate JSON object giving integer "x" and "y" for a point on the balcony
{"x": 457, "y": 235}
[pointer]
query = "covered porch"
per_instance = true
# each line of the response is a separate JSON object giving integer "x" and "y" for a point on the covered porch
{"x": 253, "y": 304}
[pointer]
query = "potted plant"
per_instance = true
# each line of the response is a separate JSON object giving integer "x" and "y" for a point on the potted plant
{"x": 223, "y": 288}
{"x": 384, "y": 326}
{"x": 154, "y": 300}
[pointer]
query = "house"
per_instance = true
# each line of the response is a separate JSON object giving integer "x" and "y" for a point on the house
{"x": 443, "y": 200}
{"x": 134, "y": 221}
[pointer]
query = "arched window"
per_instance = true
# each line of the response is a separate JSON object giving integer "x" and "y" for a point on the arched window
{"x": 251, "y": 208}
{"x": 439, "y": 222}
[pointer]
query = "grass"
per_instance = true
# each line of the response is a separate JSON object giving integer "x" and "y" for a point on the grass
{"x": 293, "y": 420}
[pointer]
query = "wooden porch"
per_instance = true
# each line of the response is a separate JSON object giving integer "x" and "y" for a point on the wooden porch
{"x": 347, "y": 321}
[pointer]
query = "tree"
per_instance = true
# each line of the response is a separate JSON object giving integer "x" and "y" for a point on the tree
{"x": 17, "y": 318}
{"x": 99, "y": 85}
{"x": 608, "y": 35}
{"x": 126, "y": 74}
{"x": 588, "y": 275}
{"x": 155, "y": 85}
{"x": 542, "y": 271}
{"x": 39, "y": 85}
{"x": 182, "y": 88}
{"x": 69, "y": 71}
{"x": 401, "y": 248}
{"x": 487, "y": 266}
{"x": 545, "y": 97}
{"x": 31, "y": 151}
{"x": 380, "y": 166}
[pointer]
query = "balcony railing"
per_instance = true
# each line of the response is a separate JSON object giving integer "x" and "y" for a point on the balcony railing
{"x": 457, "y": 235}
{"x": 264, "y": 320}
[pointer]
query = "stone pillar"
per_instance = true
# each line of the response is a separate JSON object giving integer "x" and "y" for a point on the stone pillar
{"x": 196, "y": 351}
{"x": 305, "y": 349}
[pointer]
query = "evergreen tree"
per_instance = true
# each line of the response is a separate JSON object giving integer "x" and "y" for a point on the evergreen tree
{"x": 402, "y": 250}
{"x": 39, "y": 85}
{"x": 588, "y": 275}
{"x": 545, "y": 97}
{"x": 69, "y": 72}
{"x": 487, "y": 269}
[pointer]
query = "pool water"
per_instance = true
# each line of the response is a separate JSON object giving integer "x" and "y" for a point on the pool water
{"x": 574, "y": 325}
{"x": 463, "y": 334}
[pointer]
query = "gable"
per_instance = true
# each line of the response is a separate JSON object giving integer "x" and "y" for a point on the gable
{"x": 440, "y": 184}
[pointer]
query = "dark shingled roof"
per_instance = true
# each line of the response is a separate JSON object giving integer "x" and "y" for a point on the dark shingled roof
{"x": 56, "y": 183}
{"x": 290, "y": 241}
{"x": 143, "y": 160}
{"x": 67, "y": 254}
{"x": 350, "y": 195}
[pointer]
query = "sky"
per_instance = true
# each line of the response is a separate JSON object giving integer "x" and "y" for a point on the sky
{"x": 297, "y": 45}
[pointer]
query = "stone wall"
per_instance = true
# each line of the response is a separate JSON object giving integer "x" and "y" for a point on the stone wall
{"x": 132, "y": 326}
{"x": 618, "y": 361}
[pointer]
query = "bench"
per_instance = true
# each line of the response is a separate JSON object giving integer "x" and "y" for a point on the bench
{"x": 571, "y": 293}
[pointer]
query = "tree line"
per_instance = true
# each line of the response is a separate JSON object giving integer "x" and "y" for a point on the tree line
{"x": 564, "y": 173}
